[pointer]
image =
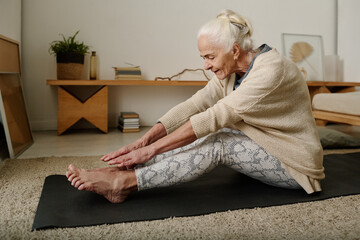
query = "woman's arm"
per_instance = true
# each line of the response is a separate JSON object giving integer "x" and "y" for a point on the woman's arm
{"x": 182, "y": 136}
{"x": 156, "y": 132}
{"x": 179, "y": 138}
{"x": 176, "y": 118}
{"x": 199, "y": 102}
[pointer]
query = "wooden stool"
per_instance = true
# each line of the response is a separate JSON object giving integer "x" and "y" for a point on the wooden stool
{"x": 71, "y": 109}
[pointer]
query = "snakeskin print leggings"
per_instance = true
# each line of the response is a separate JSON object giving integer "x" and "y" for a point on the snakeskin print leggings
{"x": 229, "y": 147}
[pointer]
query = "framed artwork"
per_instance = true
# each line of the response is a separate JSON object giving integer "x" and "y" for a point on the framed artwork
{"x": 306, "y": 51}
{"x": 13, "y": 115}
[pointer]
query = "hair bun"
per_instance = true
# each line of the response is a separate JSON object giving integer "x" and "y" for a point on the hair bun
{"x": 236, "y": 20}
{"x": 225, "y": 14}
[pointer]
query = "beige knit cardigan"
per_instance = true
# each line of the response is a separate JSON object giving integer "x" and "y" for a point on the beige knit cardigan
{"x": 271, "y": 106}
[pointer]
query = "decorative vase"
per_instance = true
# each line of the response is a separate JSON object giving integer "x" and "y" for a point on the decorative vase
{"x": 69, "y": 66}
{"x": 93, "y": 66}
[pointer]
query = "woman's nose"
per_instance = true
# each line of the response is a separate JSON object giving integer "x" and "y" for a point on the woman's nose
{"x": 207, "y": 65}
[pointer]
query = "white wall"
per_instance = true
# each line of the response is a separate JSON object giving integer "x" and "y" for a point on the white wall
{"x": 349, "y": 38}
{"x": 10, "y": 19}
{"x": 159, "y": 35}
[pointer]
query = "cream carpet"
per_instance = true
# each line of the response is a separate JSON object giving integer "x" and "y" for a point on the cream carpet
{"x": 21, "y": 183}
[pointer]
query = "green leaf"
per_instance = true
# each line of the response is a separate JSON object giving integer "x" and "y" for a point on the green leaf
{"x": 68, "y": 45}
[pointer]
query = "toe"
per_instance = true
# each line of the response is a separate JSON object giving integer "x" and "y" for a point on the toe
{"x": 74, "y": 181}
{"x": 78, "y": 183}
{"x": 81, "y": 187}
{"x": 70, "y": 168}
{"x": 71, "y": 177}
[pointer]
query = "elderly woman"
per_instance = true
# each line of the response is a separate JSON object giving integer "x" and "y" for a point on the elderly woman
{"x": 254, "y": 116}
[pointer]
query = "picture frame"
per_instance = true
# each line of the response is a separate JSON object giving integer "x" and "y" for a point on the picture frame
{"x": 306, "y": 51}
{"x": 13, "y": 115}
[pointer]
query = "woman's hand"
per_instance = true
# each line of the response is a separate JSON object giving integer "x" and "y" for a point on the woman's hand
{"x": 156, "y": 132}
{"x": 180, "y": 137}
{"x": 123, "y": 150}
{"x": 138, "y": 156}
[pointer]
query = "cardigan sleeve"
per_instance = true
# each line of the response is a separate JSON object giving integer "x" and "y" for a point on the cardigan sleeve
{"x": 199, "y": 102}
{"x": 219, "y": 116}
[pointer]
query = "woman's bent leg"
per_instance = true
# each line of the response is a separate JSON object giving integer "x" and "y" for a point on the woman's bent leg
{"x": 246, "y": 156}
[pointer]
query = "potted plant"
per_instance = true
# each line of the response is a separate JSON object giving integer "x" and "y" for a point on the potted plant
{"x": 69, "y": 57}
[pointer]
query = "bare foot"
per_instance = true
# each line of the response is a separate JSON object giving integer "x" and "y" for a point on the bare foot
{"x": 114, "y": 183}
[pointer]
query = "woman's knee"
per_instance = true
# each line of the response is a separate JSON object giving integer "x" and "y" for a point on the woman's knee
{"x": 209, "y": 139}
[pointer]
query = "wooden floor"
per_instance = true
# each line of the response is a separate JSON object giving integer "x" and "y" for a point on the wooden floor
{"x": 92, "y": 142}
{"x": 79, "y": 142}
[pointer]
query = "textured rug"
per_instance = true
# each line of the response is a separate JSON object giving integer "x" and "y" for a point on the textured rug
{"x": 21, "y": 182}
{"x": 223, "y": 189}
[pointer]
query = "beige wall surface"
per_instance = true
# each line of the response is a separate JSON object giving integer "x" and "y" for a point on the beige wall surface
{"x": 10, "y": 19}
{"x": 349, "y": 38}
{"x": 158, "y": 35}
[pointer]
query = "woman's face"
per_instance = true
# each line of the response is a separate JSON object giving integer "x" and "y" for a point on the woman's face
{"x": 215, "y": 57}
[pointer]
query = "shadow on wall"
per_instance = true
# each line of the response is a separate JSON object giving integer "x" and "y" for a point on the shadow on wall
{"x": 4, "y": 153}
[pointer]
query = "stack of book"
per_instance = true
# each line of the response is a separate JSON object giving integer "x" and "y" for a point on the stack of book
{"x": 129, "y": 122}
{"x": 127, "y": 73}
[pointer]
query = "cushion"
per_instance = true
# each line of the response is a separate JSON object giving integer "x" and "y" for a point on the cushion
{"x": 331, "y": 139}
{"x": 346, "y": 103}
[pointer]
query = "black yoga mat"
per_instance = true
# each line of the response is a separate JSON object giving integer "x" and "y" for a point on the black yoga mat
{"x": 223, "y": 189}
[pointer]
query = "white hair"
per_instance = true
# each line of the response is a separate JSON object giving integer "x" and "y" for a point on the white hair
{"x": 229, "y": 28}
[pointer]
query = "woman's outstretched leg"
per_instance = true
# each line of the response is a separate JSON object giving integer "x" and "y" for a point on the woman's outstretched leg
{"x": 231, "y": 148}
{"x": 170, "y": 153}
{"x": 186, "y": 165}
{"x": 114, "y": 183}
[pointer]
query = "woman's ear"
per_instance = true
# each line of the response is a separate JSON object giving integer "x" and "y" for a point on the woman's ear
{"x": 236, "y": 51}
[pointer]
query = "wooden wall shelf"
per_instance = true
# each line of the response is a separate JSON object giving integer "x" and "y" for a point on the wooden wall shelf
{"x": 70, "y": 109}
{"x": 316, "y": 87}
{"x": 95, "y": 108}
{"x": 333, "y": 84}
{"x": 172, "y": 83}
{"x": 124, "y": 83}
